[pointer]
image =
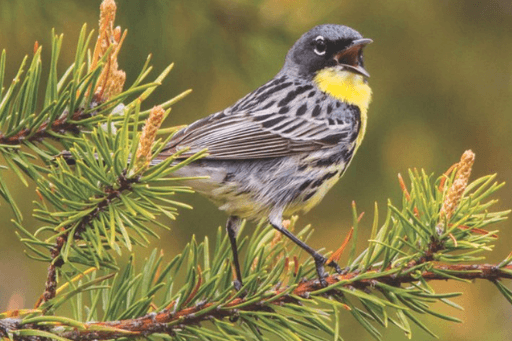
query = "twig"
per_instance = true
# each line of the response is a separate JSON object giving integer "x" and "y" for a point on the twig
{"x": 60, "y": 125}
{"x": 168, "y": 322}
{"x": 143, "y": 155}
{"x": 111, "y": 194}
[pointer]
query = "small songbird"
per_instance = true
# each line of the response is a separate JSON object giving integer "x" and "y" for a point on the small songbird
{"x": 279, "y": 149}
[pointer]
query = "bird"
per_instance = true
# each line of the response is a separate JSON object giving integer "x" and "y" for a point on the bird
{"x": 281, "y": 148}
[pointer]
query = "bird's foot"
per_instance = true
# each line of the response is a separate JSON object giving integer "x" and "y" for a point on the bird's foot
{"x": 320, "y": 270}
{"x": 237, "y": 284}
{"x": 336, "y": 267}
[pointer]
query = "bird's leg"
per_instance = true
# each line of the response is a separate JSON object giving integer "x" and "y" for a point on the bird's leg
{"x": 232, "y": 227}
{"x": 276, "y": 222}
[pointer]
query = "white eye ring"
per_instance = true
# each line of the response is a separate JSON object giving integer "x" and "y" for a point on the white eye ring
{"x": 320, "y": 46}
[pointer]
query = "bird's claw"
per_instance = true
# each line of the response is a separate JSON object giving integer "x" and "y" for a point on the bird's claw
{"x": 336, "y": 267}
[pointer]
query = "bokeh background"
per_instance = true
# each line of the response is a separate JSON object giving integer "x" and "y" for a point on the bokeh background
{"x": 441, "y": 72}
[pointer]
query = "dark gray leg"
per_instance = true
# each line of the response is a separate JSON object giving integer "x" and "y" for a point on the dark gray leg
{"x": 276, "y": 222}
{"x": 232, "y": 227}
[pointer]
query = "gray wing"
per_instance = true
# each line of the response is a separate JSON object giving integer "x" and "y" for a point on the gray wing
{"x": 264, "y": 133}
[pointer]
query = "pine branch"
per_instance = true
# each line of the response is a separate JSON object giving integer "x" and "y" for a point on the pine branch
{"x": 89, "y": 93}
{"x": 167, "y": 322}
{"x": 110, "y": 194}
{"x": 62, "y": 125}
{"x": 105, "y": 199}
{"x": 93, "y": 99}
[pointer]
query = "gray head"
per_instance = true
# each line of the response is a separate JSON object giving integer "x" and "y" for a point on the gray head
{"x": 326, "y": 46}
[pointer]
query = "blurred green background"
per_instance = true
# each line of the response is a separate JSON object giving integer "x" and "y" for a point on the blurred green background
{"x": 441, "y": 72}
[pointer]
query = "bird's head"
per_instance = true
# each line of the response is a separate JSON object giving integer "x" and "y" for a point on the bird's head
{"x": 327, "y": 46}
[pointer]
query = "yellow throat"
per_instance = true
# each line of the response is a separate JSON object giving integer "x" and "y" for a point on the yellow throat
{"x": 347, "y": 87}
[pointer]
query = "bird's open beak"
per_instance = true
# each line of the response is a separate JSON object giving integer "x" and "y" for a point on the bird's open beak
{"x": 349, "y": 57}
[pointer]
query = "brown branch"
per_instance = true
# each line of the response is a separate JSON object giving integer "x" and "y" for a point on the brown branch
{"x": 61, "y": 125}
{"x": 111, "y": 194}
{"x": 167, "y": 321}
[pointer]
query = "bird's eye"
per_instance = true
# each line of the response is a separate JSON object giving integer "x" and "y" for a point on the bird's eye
{"x": 320, "y": 46}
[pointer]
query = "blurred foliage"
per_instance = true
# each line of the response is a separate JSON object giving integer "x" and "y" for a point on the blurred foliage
{"x": 442, "y": 82}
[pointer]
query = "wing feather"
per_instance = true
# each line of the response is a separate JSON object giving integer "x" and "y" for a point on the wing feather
{"x": 261, "y": 131}
{"x": 242, "y": 137}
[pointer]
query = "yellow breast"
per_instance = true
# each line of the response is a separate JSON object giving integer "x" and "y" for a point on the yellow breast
{"x": 347, "y": 87}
